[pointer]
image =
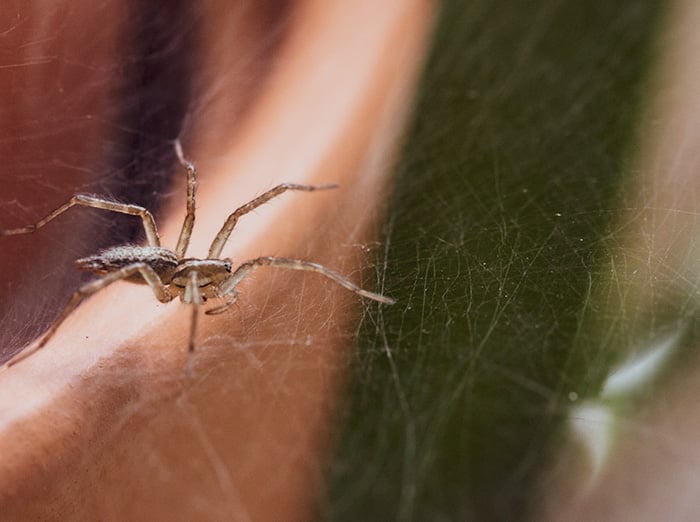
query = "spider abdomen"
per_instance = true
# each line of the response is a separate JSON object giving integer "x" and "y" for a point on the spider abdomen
{"x": 161, "y": 260}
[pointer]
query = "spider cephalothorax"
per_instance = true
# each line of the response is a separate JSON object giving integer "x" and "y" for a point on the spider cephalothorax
{"x": 168, "y": 272}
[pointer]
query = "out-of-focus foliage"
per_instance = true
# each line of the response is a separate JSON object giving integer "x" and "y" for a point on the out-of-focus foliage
{"x": 522, "y": 132}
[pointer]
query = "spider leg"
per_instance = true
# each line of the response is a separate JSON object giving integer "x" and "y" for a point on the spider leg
{"x": 85, "y": 200}
{"x": 186, "y": 231}
{"x": 149, "y": 275}
{"x": 193, "y": 297}
{"x": 230, "y": 301}
{"x": 218, "y": 244}
{"x": 229, "y": 285}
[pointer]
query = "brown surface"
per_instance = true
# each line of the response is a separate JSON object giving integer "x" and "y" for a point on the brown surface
{"x": 105, "y": 423}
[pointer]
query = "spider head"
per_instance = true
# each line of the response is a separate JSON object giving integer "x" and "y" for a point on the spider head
{"x": 208, "y": 272}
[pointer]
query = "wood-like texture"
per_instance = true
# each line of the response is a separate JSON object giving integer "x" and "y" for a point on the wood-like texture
{"x": 106, "y": 423}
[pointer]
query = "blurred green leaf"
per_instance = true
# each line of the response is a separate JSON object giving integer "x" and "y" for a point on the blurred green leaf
{"x": 523, "y": 125}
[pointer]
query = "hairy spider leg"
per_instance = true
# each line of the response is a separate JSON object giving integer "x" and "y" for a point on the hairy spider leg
{"x": 229, "y": 285}
{"x": 149, "y": 275}
{"x": 230, "y": 301}
{"x": 194, "y": 298}
{"x": 218, "y": 244}
{"x": 187, "y": 225}
{"x": 85, "y": 200}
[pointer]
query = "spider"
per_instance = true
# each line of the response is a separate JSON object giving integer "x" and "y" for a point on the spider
{"x": 169, "y": 273}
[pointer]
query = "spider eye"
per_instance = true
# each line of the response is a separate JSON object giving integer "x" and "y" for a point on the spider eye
{"x": 227, "y": 264}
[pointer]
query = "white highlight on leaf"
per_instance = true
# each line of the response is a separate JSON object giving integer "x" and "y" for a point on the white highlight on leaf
{"x": 639, "y": 370}
{"x": 592, "y": 424}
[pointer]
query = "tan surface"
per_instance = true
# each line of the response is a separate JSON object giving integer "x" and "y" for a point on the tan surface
{"x": 104, "y": 423}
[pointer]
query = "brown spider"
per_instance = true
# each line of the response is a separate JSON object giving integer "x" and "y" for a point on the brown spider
{"x": 169, "y": 273}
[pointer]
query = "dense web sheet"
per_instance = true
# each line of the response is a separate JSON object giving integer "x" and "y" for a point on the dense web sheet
{"x": 278, "y": 388}
{"x": 537, "y": 312}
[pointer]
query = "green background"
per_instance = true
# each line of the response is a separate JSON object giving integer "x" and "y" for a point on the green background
{"x": 523, "y": 129}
